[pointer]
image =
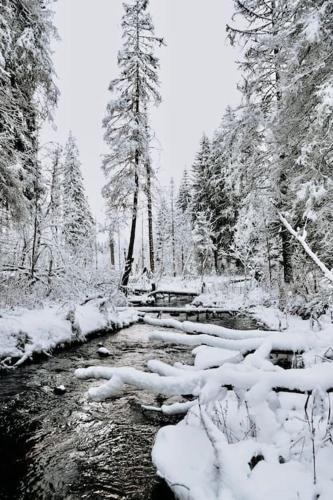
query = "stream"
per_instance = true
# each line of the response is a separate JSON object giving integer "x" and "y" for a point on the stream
{"x": 66, "y": 447}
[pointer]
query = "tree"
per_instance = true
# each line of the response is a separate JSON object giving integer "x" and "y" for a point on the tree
{"x": 266, "y": 26}
{"x": 202, "y": 237}
{"x": 307, "y": 83}
{"x": 27, "y": 95}
{"x": 222, "y": 186}
{"x": 148, "y": 191}
{"x": 163, "y": 236}
{"x": 126, "y": 119}
{"x": 200, "y": 179}
{"x": 78, "y": 222}
{"x": 184, "y": 193}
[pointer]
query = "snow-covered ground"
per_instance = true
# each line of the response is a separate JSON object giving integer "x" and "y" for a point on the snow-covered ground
{"x": 24, "y": 332}
{"x": 253, "y": 429}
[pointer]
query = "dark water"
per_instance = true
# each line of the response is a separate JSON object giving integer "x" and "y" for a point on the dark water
{"x": 66, "y": 447}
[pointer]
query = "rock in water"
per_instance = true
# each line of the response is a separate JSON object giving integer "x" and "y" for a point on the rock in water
{"x": 59, "y": 390}
{"x": 103, "y": 352}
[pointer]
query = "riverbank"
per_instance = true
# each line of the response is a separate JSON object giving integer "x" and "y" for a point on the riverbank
{"x": 66, "y": 446}
{"x": 26, "y": 333}
{"x": 258, "y": 421}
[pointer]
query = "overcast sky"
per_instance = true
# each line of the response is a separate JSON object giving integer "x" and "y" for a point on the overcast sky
{"x": 198, "y": 79}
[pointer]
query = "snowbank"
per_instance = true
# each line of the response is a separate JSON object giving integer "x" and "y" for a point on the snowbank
{"x": 253, "y": 430}
{"x": 25, "y": 332}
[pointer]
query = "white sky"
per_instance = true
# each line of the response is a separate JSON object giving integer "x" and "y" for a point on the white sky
{"x": 198, "y": 79}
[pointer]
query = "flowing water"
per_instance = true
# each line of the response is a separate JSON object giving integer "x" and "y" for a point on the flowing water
{"x": 66, "y": 447}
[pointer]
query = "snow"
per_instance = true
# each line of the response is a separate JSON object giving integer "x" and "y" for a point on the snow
{"x": 218, "y": 331}
{"x": 210, "y": 357}
{"x": 177, "y": 460}
{"x": 103, "y": 351}
{"x": 250, "y": 427}
{"x": 25, "y": 332}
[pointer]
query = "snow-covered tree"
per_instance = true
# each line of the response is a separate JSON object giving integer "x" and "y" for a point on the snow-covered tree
{"x": 126, "y": 121}
{"x": 77, "y": 219}
{"x": 203, "y": 242}
{"x": 262, "y": 30}
{"x": 200, "y": 178}
{"x": 27, "y": 95}
{"x": 184, "y": 193}
{"x": 223, "y": 186}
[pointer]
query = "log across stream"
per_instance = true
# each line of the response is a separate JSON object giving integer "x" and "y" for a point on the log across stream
{"x": 66, "y": 447}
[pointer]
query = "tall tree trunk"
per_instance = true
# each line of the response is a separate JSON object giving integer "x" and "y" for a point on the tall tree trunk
{"x": 173, "y": 240}
{"x": 129, "y": 258}
{"x": 35, "y": 242}
{"x": 286, "y": 238}
{"x": 216, "y": 255}
{"x": 150, "y": 219}
{"x": 283, "y": 183}
{"x": 112, "y": 256}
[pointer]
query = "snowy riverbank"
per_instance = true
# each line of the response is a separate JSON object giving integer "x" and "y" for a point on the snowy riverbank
{"x": 254, "y": 427}
{"x": 24, "y": 332}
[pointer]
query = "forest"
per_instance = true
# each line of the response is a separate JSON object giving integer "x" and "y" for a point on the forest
{"x": 218, "y": 285}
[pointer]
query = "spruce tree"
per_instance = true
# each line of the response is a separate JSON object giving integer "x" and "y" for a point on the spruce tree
{"x": 263, "y": 30}
{"x": 27, "y": 95}
{"x": 200, "y": 178}
{"x": 126, "y": 121}
{"x": 77, "y": 218}
{"x": 184, "y": 193}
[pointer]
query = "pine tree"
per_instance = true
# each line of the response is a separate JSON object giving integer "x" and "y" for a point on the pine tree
{"x": 126, "y": 121}
{"x": 304, "y": 124}
{"x": 27, "y": 94}
{"x": 148, "y": 191}
{"x": 54, "y": 208}
{"x": 266, "y": 26}
{"x": 200, "y": 178}
{"x": 78, "y": 221}
{"x": 163, "y": 237}
{"x": 223, "y": 200}
{"x": 184, "y": 193}
{"x": 203, "y": 240}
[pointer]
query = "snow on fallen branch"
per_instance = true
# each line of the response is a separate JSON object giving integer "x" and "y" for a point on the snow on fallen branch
{"x": 281, "y": 342}
{"x": 302, "y": 240}
{"x": 215, "y": 330}
{"x": 208, "y": 383}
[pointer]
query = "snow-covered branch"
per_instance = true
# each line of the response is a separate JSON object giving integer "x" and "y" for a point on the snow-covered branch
{"x": 302, "y": 240}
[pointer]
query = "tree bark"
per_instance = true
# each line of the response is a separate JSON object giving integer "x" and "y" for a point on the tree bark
{"x": 150, "y": 219}
{"x": 173, "y": 240}
{"x": 112, "y": 256}
{"x": 129, "y": 258}
{"x": 283, "y": 185}
{"x": 286, "y": 239}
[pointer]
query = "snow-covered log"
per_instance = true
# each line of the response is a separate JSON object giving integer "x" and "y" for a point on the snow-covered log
{"x": 208, "y": 383}
{"x": 214, "y": 330}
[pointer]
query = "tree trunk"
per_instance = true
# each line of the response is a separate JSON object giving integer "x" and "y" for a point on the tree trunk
{"x": 129, "y": 258}
{"x": 150, "y": 219}
{"x": 36, "y": 223}
{"x": 216, "y": 255}
{"x": 112, "y": 256}
{"x": 286, "y": 238}
{"x": 173, "y": 240}
{"x": 283, "y": 185}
